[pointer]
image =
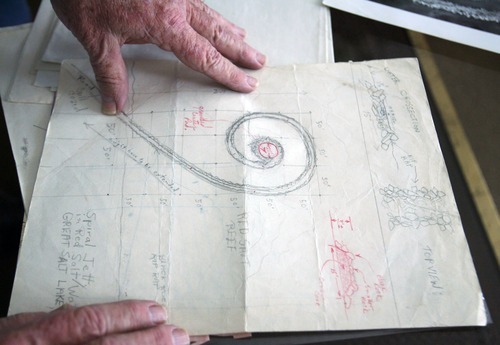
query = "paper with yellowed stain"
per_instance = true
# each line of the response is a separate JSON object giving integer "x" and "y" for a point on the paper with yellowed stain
{"x": 321, "y": 201}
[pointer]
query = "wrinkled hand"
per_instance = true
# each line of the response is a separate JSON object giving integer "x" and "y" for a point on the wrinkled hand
{"x": 200, "y": 37}
{"x": 126, "y": 322}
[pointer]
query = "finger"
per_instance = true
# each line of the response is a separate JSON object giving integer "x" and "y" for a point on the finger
{"x": 19, "y": 320}
{"x": 197, "y": 53}
{"x": 211, "y": 13}
{"x": 84, "y": 324}
{"x": 110, "y": 73}
{"x": 215, "y": 29}
{"x": 161, "y": 335}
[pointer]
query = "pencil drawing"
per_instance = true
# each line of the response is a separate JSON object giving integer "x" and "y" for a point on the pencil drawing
{"x": 388, "y": 136}
{"x": 416, "y": 208}
{"x": 267, "y": 153}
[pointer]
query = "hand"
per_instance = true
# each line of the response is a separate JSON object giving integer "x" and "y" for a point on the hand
{"x": 126, "y": 322}
{"x": 200, "y": 37}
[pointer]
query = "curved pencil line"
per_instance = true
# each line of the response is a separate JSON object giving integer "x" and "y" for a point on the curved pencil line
{"x": 299, "y": 182}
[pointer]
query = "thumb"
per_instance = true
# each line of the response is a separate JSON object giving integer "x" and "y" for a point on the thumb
{"x": 111, "y": 74}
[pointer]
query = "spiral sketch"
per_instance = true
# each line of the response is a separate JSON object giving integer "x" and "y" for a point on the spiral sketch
{"x": 255, "y": 151}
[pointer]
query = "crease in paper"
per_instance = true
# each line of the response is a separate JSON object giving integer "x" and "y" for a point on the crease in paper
{"x": 343, "y": 248}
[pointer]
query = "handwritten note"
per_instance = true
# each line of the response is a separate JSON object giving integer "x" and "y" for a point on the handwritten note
{"x": 319, "y": 202}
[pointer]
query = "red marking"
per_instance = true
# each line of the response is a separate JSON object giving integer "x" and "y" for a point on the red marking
{"x": 380, "y": 288}
{"x": 345, "y": 266}
{"x": 268, "y": 150}
{"x": 367, "y": 301}
{"x": 319, "y": 296}
{"x": 341, "y": 223}
{"x": 197, "y": 119}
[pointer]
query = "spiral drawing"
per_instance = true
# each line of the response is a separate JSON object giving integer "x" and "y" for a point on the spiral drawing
{"x": 260, "y": 142}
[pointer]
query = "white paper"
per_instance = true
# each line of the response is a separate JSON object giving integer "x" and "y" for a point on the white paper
{"x": 23, "y": 88}
{"x": 11, "y": 42}
{"x": 26, "y": 123}
{"x": 424, "y": 24}
{"x": 319, "y": 202}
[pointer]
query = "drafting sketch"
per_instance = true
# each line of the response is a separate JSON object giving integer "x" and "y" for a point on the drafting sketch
{"x": 262, "y": 152}
{"x": 267, "y": 153}
{"x": 354, "y": 277}
{"x": 416, "y": 208}
{"x": 292, "y": 208}
{"x": 388, "y": 137}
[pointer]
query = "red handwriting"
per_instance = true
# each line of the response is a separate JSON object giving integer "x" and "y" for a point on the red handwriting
{"x": 355, "y": 282}
{"x": 367, "y": 300}
{"x": 197, "y": 119}
{"x": 319, "y": 296}
{"x": 341, "y": 223}
{"x": 373, "y": 293}
{"x": 380, "y": 288}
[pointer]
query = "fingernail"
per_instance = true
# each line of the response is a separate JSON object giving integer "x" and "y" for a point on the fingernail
{"x": 158, "y": 314}
{"x": 261, "y": 59}
{"x": 180, "y": 337}
{"x": 252, "y": 82}
{"x": 108, "y": 106}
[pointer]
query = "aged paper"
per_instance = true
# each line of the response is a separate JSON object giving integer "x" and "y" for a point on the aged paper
{"x": 319, "y": 202}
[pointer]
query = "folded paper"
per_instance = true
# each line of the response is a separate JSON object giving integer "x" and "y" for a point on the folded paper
{"x": 321, "y": 201}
